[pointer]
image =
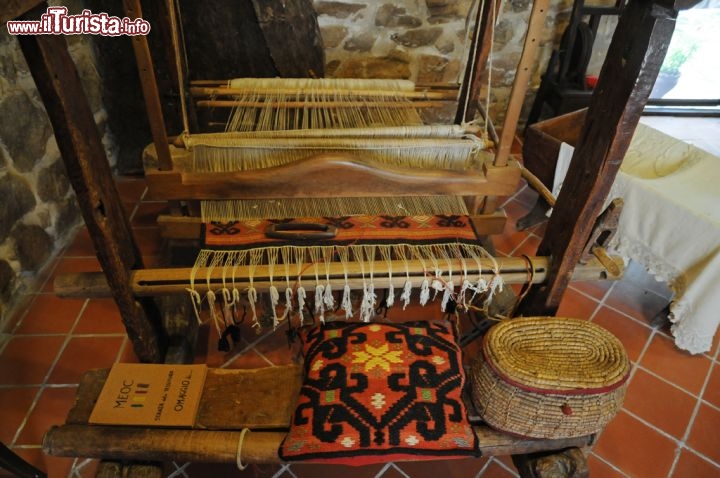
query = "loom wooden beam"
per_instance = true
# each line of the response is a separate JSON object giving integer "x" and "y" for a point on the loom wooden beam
{"x": 197, "y": 91}
{"x": 535, "y": 183}
{"x": 476, "y": 62}
{"x": 220, "y": 446}
{"x": 150, "y": 282}
{"x": 522, "y": 79}
{"x": 139, "y": 444}
{"x": 418, "y": 86}
{"x": 148, "y": 82}
{"x": 89, "y": 173}
{"x": 318, "y": 177}
{"x": 632, "y": 63}
{"x": 318, "y": 104}
{"x": 227, "y": 393}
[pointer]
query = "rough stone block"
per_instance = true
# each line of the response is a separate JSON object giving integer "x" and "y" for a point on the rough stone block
{"x": 374, "y": 68}
{"x": 445, "y": 45}
{"x": 338, "y": 9}
{"x": 391, "y": 16}
{"x": 68, "y": 214}
{"x": 441, "y": 10}
{"x": 23, "y": 201}
{"x": 333, "y": 35}
{"x": 504, "y": 32}
{"x": 431, "y": 68}
{"x": 360, "y": 43}
{"x": 25, "y": 130}
{"x": 52, "y": 182}
{"x": 418, "y": 37}
{"x": 33, "y": 246}
{"x": 520, "y": 5}
{"x": 7, "y": 280}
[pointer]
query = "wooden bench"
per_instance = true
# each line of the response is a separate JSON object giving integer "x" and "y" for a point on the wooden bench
{"x": 261, "y": 400}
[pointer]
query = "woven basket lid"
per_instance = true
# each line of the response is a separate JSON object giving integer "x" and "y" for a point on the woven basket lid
{"x": 556, "y": 355}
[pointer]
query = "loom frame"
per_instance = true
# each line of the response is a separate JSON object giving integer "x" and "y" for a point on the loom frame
{"x": 636, "y": 53}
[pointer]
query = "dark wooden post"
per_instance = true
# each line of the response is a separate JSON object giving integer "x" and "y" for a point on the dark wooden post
{"x": 150, "y": 89}
{"x": 477, "y": 60}
{"x": 89, "y": 173}
{"x": 632, "y": 63}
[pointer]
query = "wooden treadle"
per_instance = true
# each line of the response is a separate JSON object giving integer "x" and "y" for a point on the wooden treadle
{"x": 259, "y": 399}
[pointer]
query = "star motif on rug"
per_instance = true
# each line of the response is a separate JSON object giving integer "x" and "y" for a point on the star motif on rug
{"x": 380, "y": 357}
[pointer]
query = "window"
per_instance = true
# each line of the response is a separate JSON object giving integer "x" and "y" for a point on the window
{"x": 689, "y": 79}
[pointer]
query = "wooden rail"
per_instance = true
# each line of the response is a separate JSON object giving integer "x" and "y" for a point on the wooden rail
{"x": 151, "y": 282}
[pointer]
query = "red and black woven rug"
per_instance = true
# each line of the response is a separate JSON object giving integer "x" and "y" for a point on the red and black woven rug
{"x": 380, "y": 392}
{"x": 414, "y": 230}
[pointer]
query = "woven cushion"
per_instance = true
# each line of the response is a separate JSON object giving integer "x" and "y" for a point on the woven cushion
{"x": 380, "y": 392}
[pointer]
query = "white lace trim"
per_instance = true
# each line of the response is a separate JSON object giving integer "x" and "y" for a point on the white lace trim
{"x": 690, "y": 340}
{"x": 658, "y": 268}
{"x": 685, "y": 337}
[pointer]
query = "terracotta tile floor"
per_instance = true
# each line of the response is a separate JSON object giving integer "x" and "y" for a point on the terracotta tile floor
{"x": 668, "y": 427}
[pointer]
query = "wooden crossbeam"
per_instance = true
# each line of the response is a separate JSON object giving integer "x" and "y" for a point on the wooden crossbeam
{"x": 318, "y": 177}
{"x": 151, "y": 282}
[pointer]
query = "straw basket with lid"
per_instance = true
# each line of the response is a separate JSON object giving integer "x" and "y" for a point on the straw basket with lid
{"x": 549, "y": 377}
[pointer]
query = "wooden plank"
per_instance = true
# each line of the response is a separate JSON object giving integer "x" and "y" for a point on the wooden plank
{"x": 137, "y": 443}
{"x": 231, "y": 400}
{"x": 330, "y": 175}
{"x": 89, "y": 388}
{"x": 252, "y": 398}
{"x": 632, "y": 63}
{"x": 220, "y": 446}
{"x": 495, "y": 443}
{"x": 152, "y": 282}
{"x": 90, "y": 176}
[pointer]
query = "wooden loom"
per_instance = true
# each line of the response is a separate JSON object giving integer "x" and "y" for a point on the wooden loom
{"x": 623, "y": 87}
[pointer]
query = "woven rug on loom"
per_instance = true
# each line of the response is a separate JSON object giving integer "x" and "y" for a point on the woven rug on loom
{"x": 414, "y": 230}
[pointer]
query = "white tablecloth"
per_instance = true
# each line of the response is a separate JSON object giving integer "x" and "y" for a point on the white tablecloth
{"x": 671, "y": 224}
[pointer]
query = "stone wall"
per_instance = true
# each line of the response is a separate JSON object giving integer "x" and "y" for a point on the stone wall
{"x": 420, "y": 40}
{"x": 427, "y": 41}
{"x": 38, "y": 210}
